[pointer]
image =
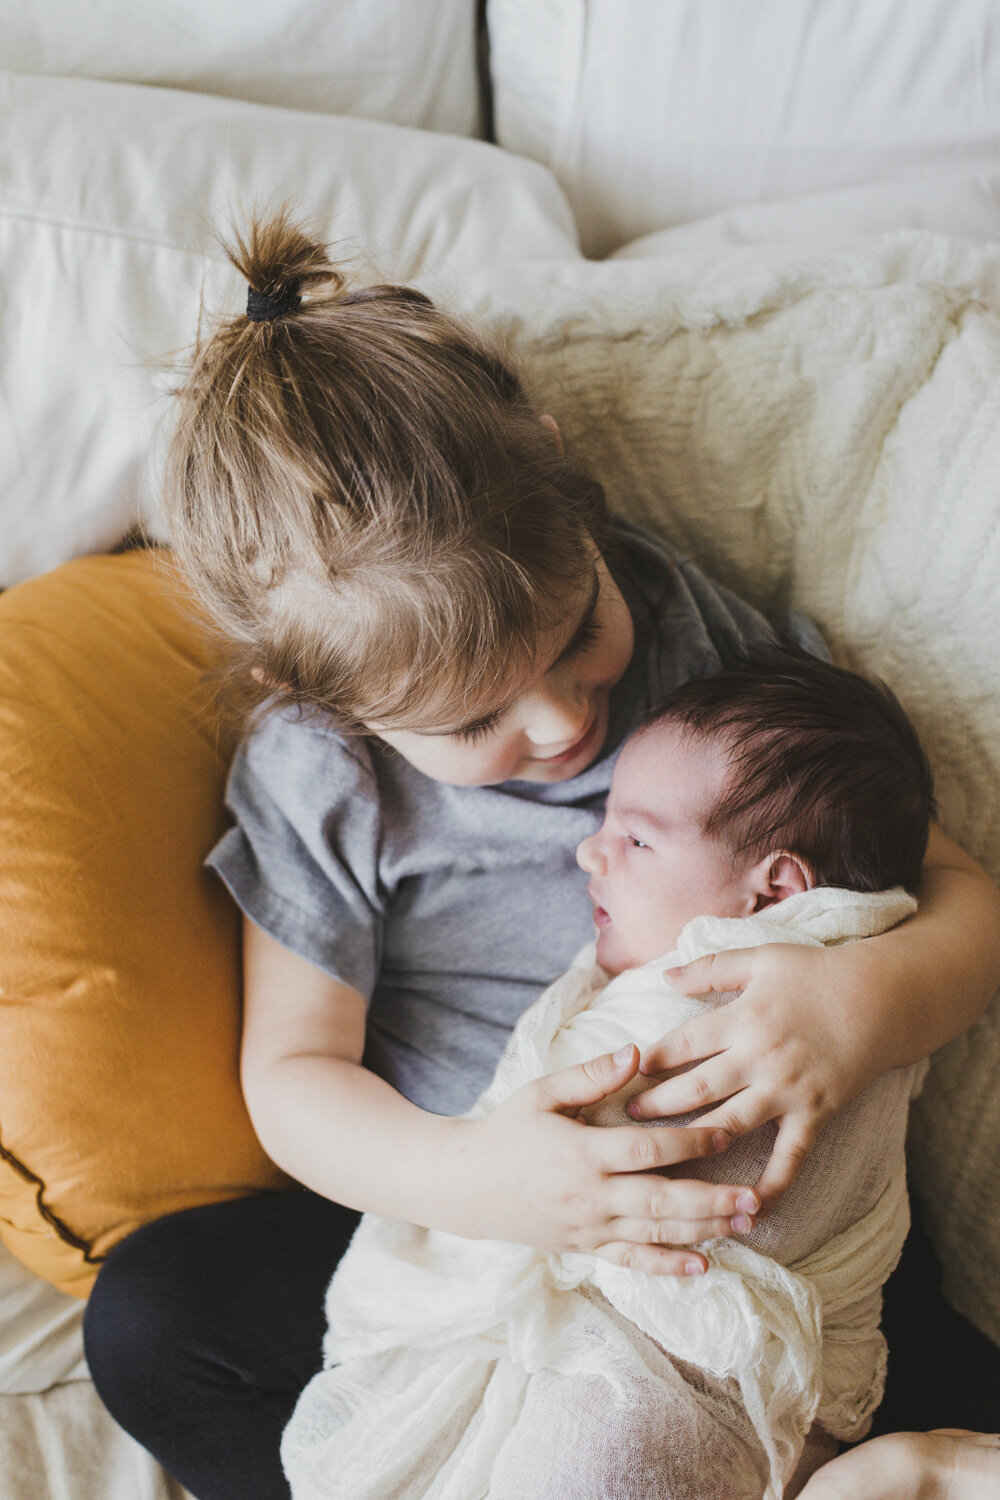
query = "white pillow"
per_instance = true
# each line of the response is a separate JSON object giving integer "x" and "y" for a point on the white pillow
{"x": 108, "y": 195}
{"x": 410, "y": 62}
{"x": 656, "y": 112}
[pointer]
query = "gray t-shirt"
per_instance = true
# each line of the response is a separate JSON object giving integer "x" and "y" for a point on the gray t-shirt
{"x": 450, "y": 908}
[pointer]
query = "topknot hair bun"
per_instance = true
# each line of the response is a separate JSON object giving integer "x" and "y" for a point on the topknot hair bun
{"x": 279, "y": 260}
{"x": 264, "y": 307}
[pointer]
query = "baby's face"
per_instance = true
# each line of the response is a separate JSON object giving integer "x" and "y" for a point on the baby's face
{"x": 652, "y": 868}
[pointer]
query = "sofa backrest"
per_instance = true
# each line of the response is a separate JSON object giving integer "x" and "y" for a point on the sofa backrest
{"x": 653, "y": 113}
{"x": 408, "y": 62}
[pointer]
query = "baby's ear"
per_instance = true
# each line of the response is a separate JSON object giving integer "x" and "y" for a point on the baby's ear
{"x": 780, "y": 875}
{"x": 552, "y": 428}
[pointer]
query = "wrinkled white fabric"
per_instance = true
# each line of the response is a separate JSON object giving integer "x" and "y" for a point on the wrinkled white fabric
{"x": 459, "y": 1369}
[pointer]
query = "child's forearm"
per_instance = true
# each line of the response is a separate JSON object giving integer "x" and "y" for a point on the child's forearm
{"x": 347, "y": 1134}
{"x": 528, "y": 1170}
{"x": 940, "y": 968}
{"x": 524, "y": 1172}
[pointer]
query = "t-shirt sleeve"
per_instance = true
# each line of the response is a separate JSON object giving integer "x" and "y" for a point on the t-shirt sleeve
{"x": 803, "y": 631}
{"x": 302, "y": 858}
{"x": 733, "y": 626}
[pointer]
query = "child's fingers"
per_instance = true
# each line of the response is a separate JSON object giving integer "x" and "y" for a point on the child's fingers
{"x": 697, "y": 1039}
{"x": 795, "y": 1139}
{"x": 673, "y": 1232}
{"x": 653, "y": 1259}
{"x": 657, "y": 1198}
{"x": 622, "y": 1148}
{"x": 587, "y": 1083}
{"x": 719, "y": 973}
{"x": 708, "y": 1083}
{"x": 743, "y": 1111}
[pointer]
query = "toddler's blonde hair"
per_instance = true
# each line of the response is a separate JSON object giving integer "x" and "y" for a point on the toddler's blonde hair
{"x": 366, "y": 501}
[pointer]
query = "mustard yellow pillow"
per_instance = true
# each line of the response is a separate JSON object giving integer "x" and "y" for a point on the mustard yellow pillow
{"x": 119, "y": 954}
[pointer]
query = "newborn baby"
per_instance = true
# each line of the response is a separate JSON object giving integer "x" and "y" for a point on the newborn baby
{"x": 773, "y": 802}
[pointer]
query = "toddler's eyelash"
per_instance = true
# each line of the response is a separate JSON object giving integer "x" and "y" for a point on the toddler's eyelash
{"x": 476, "y": 732}
{"x": 636, "y": 843}
{"x": 585, "y": 636}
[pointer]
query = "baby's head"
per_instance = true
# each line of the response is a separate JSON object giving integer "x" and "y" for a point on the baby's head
{"x": 746, "y": 787}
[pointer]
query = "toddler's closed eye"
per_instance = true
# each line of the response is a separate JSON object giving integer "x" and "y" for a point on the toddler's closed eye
{"x": 472, "y": 733}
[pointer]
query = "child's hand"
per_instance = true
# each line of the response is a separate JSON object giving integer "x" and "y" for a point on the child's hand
{"x": 533, "y": 1172}
{"x": 799, "y": 1043}
{"x": 943, "y": 1465}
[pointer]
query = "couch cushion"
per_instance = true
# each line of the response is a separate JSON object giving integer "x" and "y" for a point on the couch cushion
{"x": 961, "y": 199}
{"x": 409, "y": 62}
{"x": 653, "y": 114}
{"x": 108, "y": 197}
{"x": 119, "y": 959}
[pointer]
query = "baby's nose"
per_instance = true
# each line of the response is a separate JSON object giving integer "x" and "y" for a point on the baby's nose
{"x": 588, "y": 854}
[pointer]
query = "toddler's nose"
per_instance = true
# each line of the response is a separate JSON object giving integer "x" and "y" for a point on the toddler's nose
{"x": 557, "y": 716}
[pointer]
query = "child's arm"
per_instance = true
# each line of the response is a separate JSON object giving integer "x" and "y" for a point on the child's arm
{"x": 814, "y": 1026}
{"x": 948, "y": 1464}
{"x": 529, "y": 1171}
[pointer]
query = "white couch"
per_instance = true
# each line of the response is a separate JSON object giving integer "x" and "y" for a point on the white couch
{"x": 788, "y": 358}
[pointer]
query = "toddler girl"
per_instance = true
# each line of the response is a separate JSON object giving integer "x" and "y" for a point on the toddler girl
{"x": 446, "y": 639}
{"x": 770, "y": 803}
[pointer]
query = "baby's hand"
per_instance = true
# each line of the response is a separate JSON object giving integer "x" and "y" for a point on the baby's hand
{"x": 533, "y": 1172}
{"x": 792, "y": 1048}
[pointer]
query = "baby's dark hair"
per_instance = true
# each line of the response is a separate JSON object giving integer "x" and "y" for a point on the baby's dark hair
{"x": 824, "y": 763}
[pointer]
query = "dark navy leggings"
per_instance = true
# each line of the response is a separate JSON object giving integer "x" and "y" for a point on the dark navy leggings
{"x": 204, "y": 1327}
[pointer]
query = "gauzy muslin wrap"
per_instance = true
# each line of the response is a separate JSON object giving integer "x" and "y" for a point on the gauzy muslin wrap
{"x": 459, "y": 1369}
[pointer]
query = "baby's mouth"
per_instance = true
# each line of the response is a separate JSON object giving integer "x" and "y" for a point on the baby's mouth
{"x": 601, "y": 916}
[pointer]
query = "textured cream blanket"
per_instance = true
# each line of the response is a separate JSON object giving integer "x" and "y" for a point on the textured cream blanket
{"x": 823, "y": 430}
{"x": 441, "y": 1352}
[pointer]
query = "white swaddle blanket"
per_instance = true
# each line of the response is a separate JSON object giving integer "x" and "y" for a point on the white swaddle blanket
{"x": 439, "y": 1348}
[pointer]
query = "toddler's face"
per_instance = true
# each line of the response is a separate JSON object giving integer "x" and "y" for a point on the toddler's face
{"x": 652, "y": 868}
{"x": 558, "y": 725}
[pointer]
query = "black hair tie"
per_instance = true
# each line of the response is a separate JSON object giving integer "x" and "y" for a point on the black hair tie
{"x": 264, "y": 307}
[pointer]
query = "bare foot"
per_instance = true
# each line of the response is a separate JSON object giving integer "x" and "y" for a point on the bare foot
{"x": 944, "y": 1465}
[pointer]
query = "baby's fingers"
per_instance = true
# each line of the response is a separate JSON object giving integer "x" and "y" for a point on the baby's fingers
{"x": 653, "y": 1260}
